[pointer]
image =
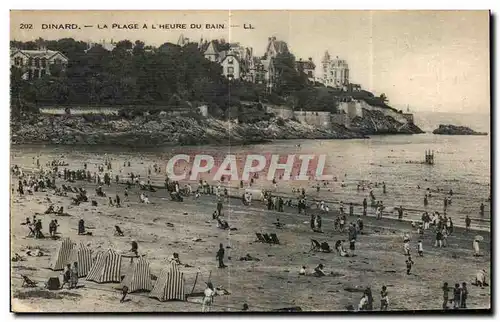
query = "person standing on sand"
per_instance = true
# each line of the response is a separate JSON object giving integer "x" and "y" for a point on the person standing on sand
{"x": 74, "y": 275}
{"x": 67, "y": 276}
{"x": 219, "y": 206}
{"x": 467, "y": 223}
{"x": 456, "y": 296}
{"x": 208, "y": 297}
{"x": 365, "y": 205}
{"x": 384, "y": 299}
{"x": 351, "y": 209}
{"x": 383, "y": 187}
{"x": 400, "y": 212}
{"x": 463, "y": 296}
{"x": 426, "y": 202}
{"x": 475, "y": 245}
{"x": 481, "y": 208}
{"x": 220, "y": 256}
{"x": 439, "y": 239}
{"x": 409, "y": 263}
{"x": 445, "y": 295}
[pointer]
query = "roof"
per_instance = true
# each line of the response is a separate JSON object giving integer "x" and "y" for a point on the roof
{"x": 211, "y": 49}
{"x": 38, "y": 53}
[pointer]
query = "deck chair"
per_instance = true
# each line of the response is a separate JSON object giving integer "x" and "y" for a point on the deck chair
{"x": 267, "y": 238}
{"x": 118, "y": 231}
{"x": 274, "y": 238}
{"x": 260, "y": 238}
{"x": 27, "y": 282}
{"x": 315, "y": 246}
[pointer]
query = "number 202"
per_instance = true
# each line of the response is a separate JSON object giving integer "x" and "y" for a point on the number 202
{"x": 26, "y": 26}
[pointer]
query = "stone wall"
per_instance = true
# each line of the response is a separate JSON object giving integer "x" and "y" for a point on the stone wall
{"x": 340, "y": 118}
{"x": 318, "y": 119}
{"x": 283, "y": 112}
{"x": 352, "y": 109}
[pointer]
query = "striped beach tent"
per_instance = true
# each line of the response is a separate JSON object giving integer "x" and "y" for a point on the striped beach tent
{"x": 139, "y": 277}
{"x": 169, "y": 285}
{"x": 106, "y": 267}
{"x": 62, "y": 257}
{"x": 83, "y": 256}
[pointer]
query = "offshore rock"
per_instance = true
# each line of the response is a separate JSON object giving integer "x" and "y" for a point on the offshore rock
{"x": 448, "y": 129}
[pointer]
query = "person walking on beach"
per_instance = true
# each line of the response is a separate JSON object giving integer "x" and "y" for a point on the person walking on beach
{"x": 409, "y": 263}
{"x": 467, "y": 223}
{"x": 426, "y": 202}
{"x": 445, "y": 289}
{"x": 481, "y": 208}
{"x": 383, "y": 188}
{"x": 384, "y": 299}
{"x": 220, "y": 256}
{"x": 365, "y": 205}
{"x": 124, "y": 294}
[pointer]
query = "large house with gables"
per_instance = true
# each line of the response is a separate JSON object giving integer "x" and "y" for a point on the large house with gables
{"x": 37, "y": 63}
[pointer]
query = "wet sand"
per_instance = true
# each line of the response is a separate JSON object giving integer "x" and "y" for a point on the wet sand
{"x": 268, "y": 284}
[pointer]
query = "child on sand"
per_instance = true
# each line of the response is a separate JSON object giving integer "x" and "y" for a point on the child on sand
{"x": 445, "y": 295}
{"x": 420, "y": 248}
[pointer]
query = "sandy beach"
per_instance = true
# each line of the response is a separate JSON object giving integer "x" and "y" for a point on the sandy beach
{"x": 271, "y": 283}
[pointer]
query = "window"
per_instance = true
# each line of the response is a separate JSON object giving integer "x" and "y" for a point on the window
{"x": 230, "y": 60}
{"x": 30, "y": 62}
{"x": 230, "y": 70}
{"x": 37, "y": 62}
{"x": 21, "y": 62}
{"x": 36, "y": 73}
{"x": 42, "y": 73}
{"x": 44, "y": 62}
{"x": 57, "y": 61}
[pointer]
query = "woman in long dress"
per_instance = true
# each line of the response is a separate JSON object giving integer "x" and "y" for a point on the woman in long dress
{"x": 74, "y": 275}
{"x": 475, "y": 245}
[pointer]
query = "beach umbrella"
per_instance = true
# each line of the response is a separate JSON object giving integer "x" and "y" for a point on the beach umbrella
{"x": 479, "y": 238}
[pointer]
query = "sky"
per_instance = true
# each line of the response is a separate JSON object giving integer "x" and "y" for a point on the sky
{"x": 427, "y": 60}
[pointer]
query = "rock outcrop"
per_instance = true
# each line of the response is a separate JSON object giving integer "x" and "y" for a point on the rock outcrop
{"x": 448, "y": 129}
{"x": 376, "y": 122}
{"x": 153, "y": 131}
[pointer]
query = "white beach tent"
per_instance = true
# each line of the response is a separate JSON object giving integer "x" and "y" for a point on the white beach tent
{"x": 139, "y": 277}
{"x": 169, "y": 285}
{"x": 62, "y": 257}
{"x": 106, "y": 268}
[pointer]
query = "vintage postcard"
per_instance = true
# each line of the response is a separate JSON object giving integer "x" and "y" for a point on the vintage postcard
{"x": 250, "y": 161}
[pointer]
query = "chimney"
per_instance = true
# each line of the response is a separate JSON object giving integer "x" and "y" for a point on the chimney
{"x": 310, "y": 59}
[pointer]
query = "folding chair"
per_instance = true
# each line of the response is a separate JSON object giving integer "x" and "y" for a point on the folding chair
{"x": 267, "y": 239}
{"x": 118, "y": 231}
{"x": 260, "y": 238}
{"x": 274, "y": 238}
{"x": 27, "y": 282}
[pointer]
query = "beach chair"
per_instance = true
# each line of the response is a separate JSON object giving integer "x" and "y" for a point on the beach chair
{"x": 274, "y": 239}
{"x": 260, "y": 238}
{"x": 27, "y": 282}
{"x": 267, "y": 239}
{"x": 118, "y": 231}
{"x": 315, "y": 246}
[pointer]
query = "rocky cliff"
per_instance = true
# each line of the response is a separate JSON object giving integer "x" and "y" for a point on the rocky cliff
{"x": 448, "y": 129}
{"x": 151, "y": 131}
{"x": 376, "y": 122}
